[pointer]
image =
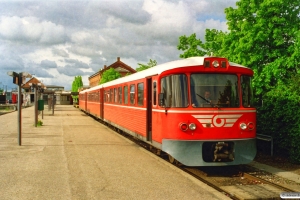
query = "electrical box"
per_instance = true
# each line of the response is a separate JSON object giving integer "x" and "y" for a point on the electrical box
{"x": 41, "y": 104}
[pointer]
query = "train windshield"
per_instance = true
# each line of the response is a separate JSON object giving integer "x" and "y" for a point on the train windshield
{"x": 214, "y": 90}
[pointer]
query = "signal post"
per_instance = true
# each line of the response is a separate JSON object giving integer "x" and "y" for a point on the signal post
{"x": 19, "y": 79}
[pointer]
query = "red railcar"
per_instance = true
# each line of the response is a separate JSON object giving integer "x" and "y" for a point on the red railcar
{"x": 199, "y": 110}
{"x": 14, "y": 98}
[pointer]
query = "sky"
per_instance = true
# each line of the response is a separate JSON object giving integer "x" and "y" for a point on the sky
{"x": 56, "y": 40}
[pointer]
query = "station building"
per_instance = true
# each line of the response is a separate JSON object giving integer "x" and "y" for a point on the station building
{"x": 119, "y": 66}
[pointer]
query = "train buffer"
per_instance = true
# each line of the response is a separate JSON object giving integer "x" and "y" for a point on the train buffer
{"x": 266, "y": 138}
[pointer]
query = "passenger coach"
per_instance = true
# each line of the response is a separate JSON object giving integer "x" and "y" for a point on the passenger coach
{"x": 198, "y": 110}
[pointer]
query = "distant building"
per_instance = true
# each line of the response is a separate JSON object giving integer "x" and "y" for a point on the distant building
{"x": 50, "y": 91}
{"x": 119, "y": 66}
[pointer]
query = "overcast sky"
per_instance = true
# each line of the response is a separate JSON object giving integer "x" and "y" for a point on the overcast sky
{"x": 57, "y": 40}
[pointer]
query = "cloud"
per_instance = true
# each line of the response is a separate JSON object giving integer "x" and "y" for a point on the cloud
{"x": 10, "y": 60}
{"x": 63, "y": 39}
{"x": 127, "y": 12}
{"x": 48, "y": 64}
{"x": 77, "y": 64}
{"x": 60, "y": 52}
{"x": 70, "y": 70}
{"x": 30, "y": 30}
{"x": 42, "y": 73}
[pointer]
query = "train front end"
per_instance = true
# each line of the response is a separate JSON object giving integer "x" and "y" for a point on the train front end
{"x": 208, "y": 117}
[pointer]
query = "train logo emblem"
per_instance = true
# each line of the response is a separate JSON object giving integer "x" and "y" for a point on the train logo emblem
{"x": 218, "y": 121}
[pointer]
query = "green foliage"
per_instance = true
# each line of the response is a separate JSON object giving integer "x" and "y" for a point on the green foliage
{"x": 191, "y": 46}
{"x": 76, "y": 85}
{"x": 150, "y": 64}
{"x": 109, "y": 75}
{"x": 280, "y": 117}
{"x": 264, "y": 35}
{"x": 39, "y": 123}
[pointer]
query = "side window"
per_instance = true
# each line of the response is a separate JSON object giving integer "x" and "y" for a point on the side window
{"x": 120, "y": 95}
{"x": 126, "y": 94}
{"x": 111, "y": 95}
{"x": 115, "y": 95}
{"x": 140, "y": 94}
{"x": 175, "y": 90}
{"x": 154, "y": 93}
{"x": 132, "y": 94}
{"x": 106, "y": 96}
{"x": 247, "y": 93}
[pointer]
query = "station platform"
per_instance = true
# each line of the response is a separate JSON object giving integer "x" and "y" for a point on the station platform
{"x": 73, "y": 156}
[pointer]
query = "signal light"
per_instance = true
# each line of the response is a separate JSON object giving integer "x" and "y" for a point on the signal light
{"x": 183, "y": 126}
{"x": 250, "y": 126}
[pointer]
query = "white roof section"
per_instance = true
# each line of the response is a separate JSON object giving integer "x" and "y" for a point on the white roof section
{"x": 158, "y": 69}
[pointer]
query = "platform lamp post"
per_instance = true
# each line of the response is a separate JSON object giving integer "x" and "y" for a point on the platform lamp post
{"x": 18, "y": 79}
{"x": 37, "y": 89}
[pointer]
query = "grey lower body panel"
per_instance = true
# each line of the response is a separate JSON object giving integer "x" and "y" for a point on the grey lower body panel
{"x": 190, "y": 152}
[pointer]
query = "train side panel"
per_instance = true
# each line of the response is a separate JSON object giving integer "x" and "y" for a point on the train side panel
{"x": 82, "y": 101}
{"x": 127, "y": 117}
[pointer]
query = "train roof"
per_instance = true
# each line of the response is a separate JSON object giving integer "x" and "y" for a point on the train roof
{"x": 158, "y": 69}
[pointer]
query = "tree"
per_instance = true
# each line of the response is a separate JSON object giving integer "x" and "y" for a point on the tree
{"x": 109, "y": 75}
{"x": 76, "y": 85}
{"x": 264, "y": 35}
{"x": 191, "y": 46}
{"x": 150, "y": 64}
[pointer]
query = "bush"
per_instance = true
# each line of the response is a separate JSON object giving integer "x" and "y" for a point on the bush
{"x": 279, "y": 117}
{"x": 39, "y": 123}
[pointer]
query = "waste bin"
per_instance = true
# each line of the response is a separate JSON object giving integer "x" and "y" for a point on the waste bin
{"x": 41, "y": 104}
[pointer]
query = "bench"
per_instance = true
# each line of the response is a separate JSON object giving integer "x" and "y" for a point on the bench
{"x": 266, "y": 138}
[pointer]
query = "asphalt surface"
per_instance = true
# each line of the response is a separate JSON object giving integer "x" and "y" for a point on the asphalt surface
{"x": 72, "y": 156}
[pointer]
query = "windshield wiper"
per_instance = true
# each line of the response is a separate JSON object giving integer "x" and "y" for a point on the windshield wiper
{"x": 213, "y": 105}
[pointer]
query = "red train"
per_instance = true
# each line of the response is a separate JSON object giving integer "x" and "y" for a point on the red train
{"x": 199, "y": 110}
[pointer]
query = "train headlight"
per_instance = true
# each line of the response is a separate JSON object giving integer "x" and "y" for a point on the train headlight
{"x": 243, "y": 126}
{"x": 192, "y": 126}
{"x": 215, "y": 63}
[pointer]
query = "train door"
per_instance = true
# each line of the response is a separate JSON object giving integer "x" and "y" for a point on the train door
{"x": 149, "y": 109}
{"x": 101, "y": 103}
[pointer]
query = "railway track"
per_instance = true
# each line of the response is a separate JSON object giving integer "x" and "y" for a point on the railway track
{"x": 237, "y": 182}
